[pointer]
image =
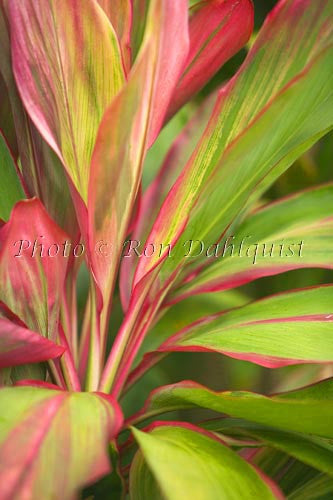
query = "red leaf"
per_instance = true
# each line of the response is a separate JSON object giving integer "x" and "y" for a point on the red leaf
{"x": 33, "y": 266}
{"x": 218, "y": 29}
{"x": 19, "y": 345}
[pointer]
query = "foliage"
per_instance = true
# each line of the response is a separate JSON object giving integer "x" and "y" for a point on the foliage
{"x": 138, "y": 166}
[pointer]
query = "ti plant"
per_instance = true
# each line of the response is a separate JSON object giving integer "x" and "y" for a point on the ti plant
{"x": 86, "y": 88}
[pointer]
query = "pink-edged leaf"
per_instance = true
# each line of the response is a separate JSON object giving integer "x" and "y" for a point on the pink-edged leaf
{"x": 19, "y": 345}
{"x": 285, "y": 329}
{"x": 52, "y": 443}
{"x": 218, "y": 29}
{"x": 126, "y": 131}
{"x": 308, "y": 410}
{"x": 120, "y": 13}
{"x": 209, "y": 468}
{"x": 284, "y": 81}
{"x": 33, "y": 266}
{"x": 42, "y": 170}
{"x": 293, "y": 233}
{"x": 153, "y": 197}
{"x": 279, "y": 74}
{"x": 173, "y": 45}
{"x": 178, "y": 317}
{"x": 67, "y": 74}
{"x": 40, "y": 384}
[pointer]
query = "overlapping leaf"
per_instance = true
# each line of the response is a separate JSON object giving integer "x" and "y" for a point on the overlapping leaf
{"x": 308, "y": 410}
{"x": 42, "y": 171}
{"x": 177, "y": 317}
{"x": 68, "y": 68}
{"x": 281, "y": 100}
{"x": 181, "y": 458}
{"x": 153, "y": 197}
{"x": 285, "y": 329}
{"x": 128, "y": 127}
{"x": 62, "y": 440}
{"x": 18, "y": 345}
{"x": 218, "y": 30}
{"x": 120, "y": 13}
{"x": 293, "y": 233}
{"x": 33, "y": 264}
{"x": 311, "y": 450}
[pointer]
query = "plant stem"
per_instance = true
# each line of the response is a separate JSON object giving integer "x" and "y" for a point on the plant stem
{"x": 94, "y": 356}
{"x": 118, "y": 349}
{"x": 67, "y": 364}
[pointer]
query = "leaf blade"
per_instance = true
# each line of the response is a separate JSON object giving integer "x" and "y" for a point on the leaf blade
{"x": 288, "y": 328}
{"x": 255, "y": 249}
{"x": 19, "y": 346}
{"x": 39, "y": 423}
{"x": 11, "y": 189}
{"x": 209, "y": 468}
{"x": 307, "y": 410}
{"x": 32, "y": 266}
{"x": 58, "y": 82}
{"x": 218, "y": 30}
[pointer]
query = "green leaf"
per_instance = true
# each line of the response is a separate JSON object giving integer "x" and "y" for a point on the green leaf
{"x": 188, "y": 311}
{"x": 11, "y": 189}
{"x": 296, "y": 232}
{"x": 152, "y": 199}
{"x": 285, "y": 329}
{"x": 53, "y": 442}
{"x": 308, "y": 449}
{"x": 319, "y": 487}
{"x": 177, "y": 317}
{"x": 307, "y": 410}
{"x": 186, "y": 461}
{"x": 279, "y": 103}
{"x": 128, "y": 128}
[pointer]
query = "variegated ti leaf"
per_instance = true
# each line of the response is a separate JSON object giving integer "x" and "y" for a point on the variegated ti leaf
{"x": 218, "y": 29}
{"x": 285, "y": 329}
{"x": 120, "y": 13}
{"x": 11, "y": 189}
{"x": 67, "y": 74}
{"x": 128, "y": 127}
{"x": 52, "y": 443}
{"x": 308, "y": 410}
{"x": 281, "y": 100}
{"x": 19, "y": 345}
{"x": 33, "y": 263}
{"x": 42, "y": 171}
{"x": 294, "y": 233}
{"x": 177, "y": 317}
{"x": 176, "y": 457}
{"x": 153, "y": 197}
